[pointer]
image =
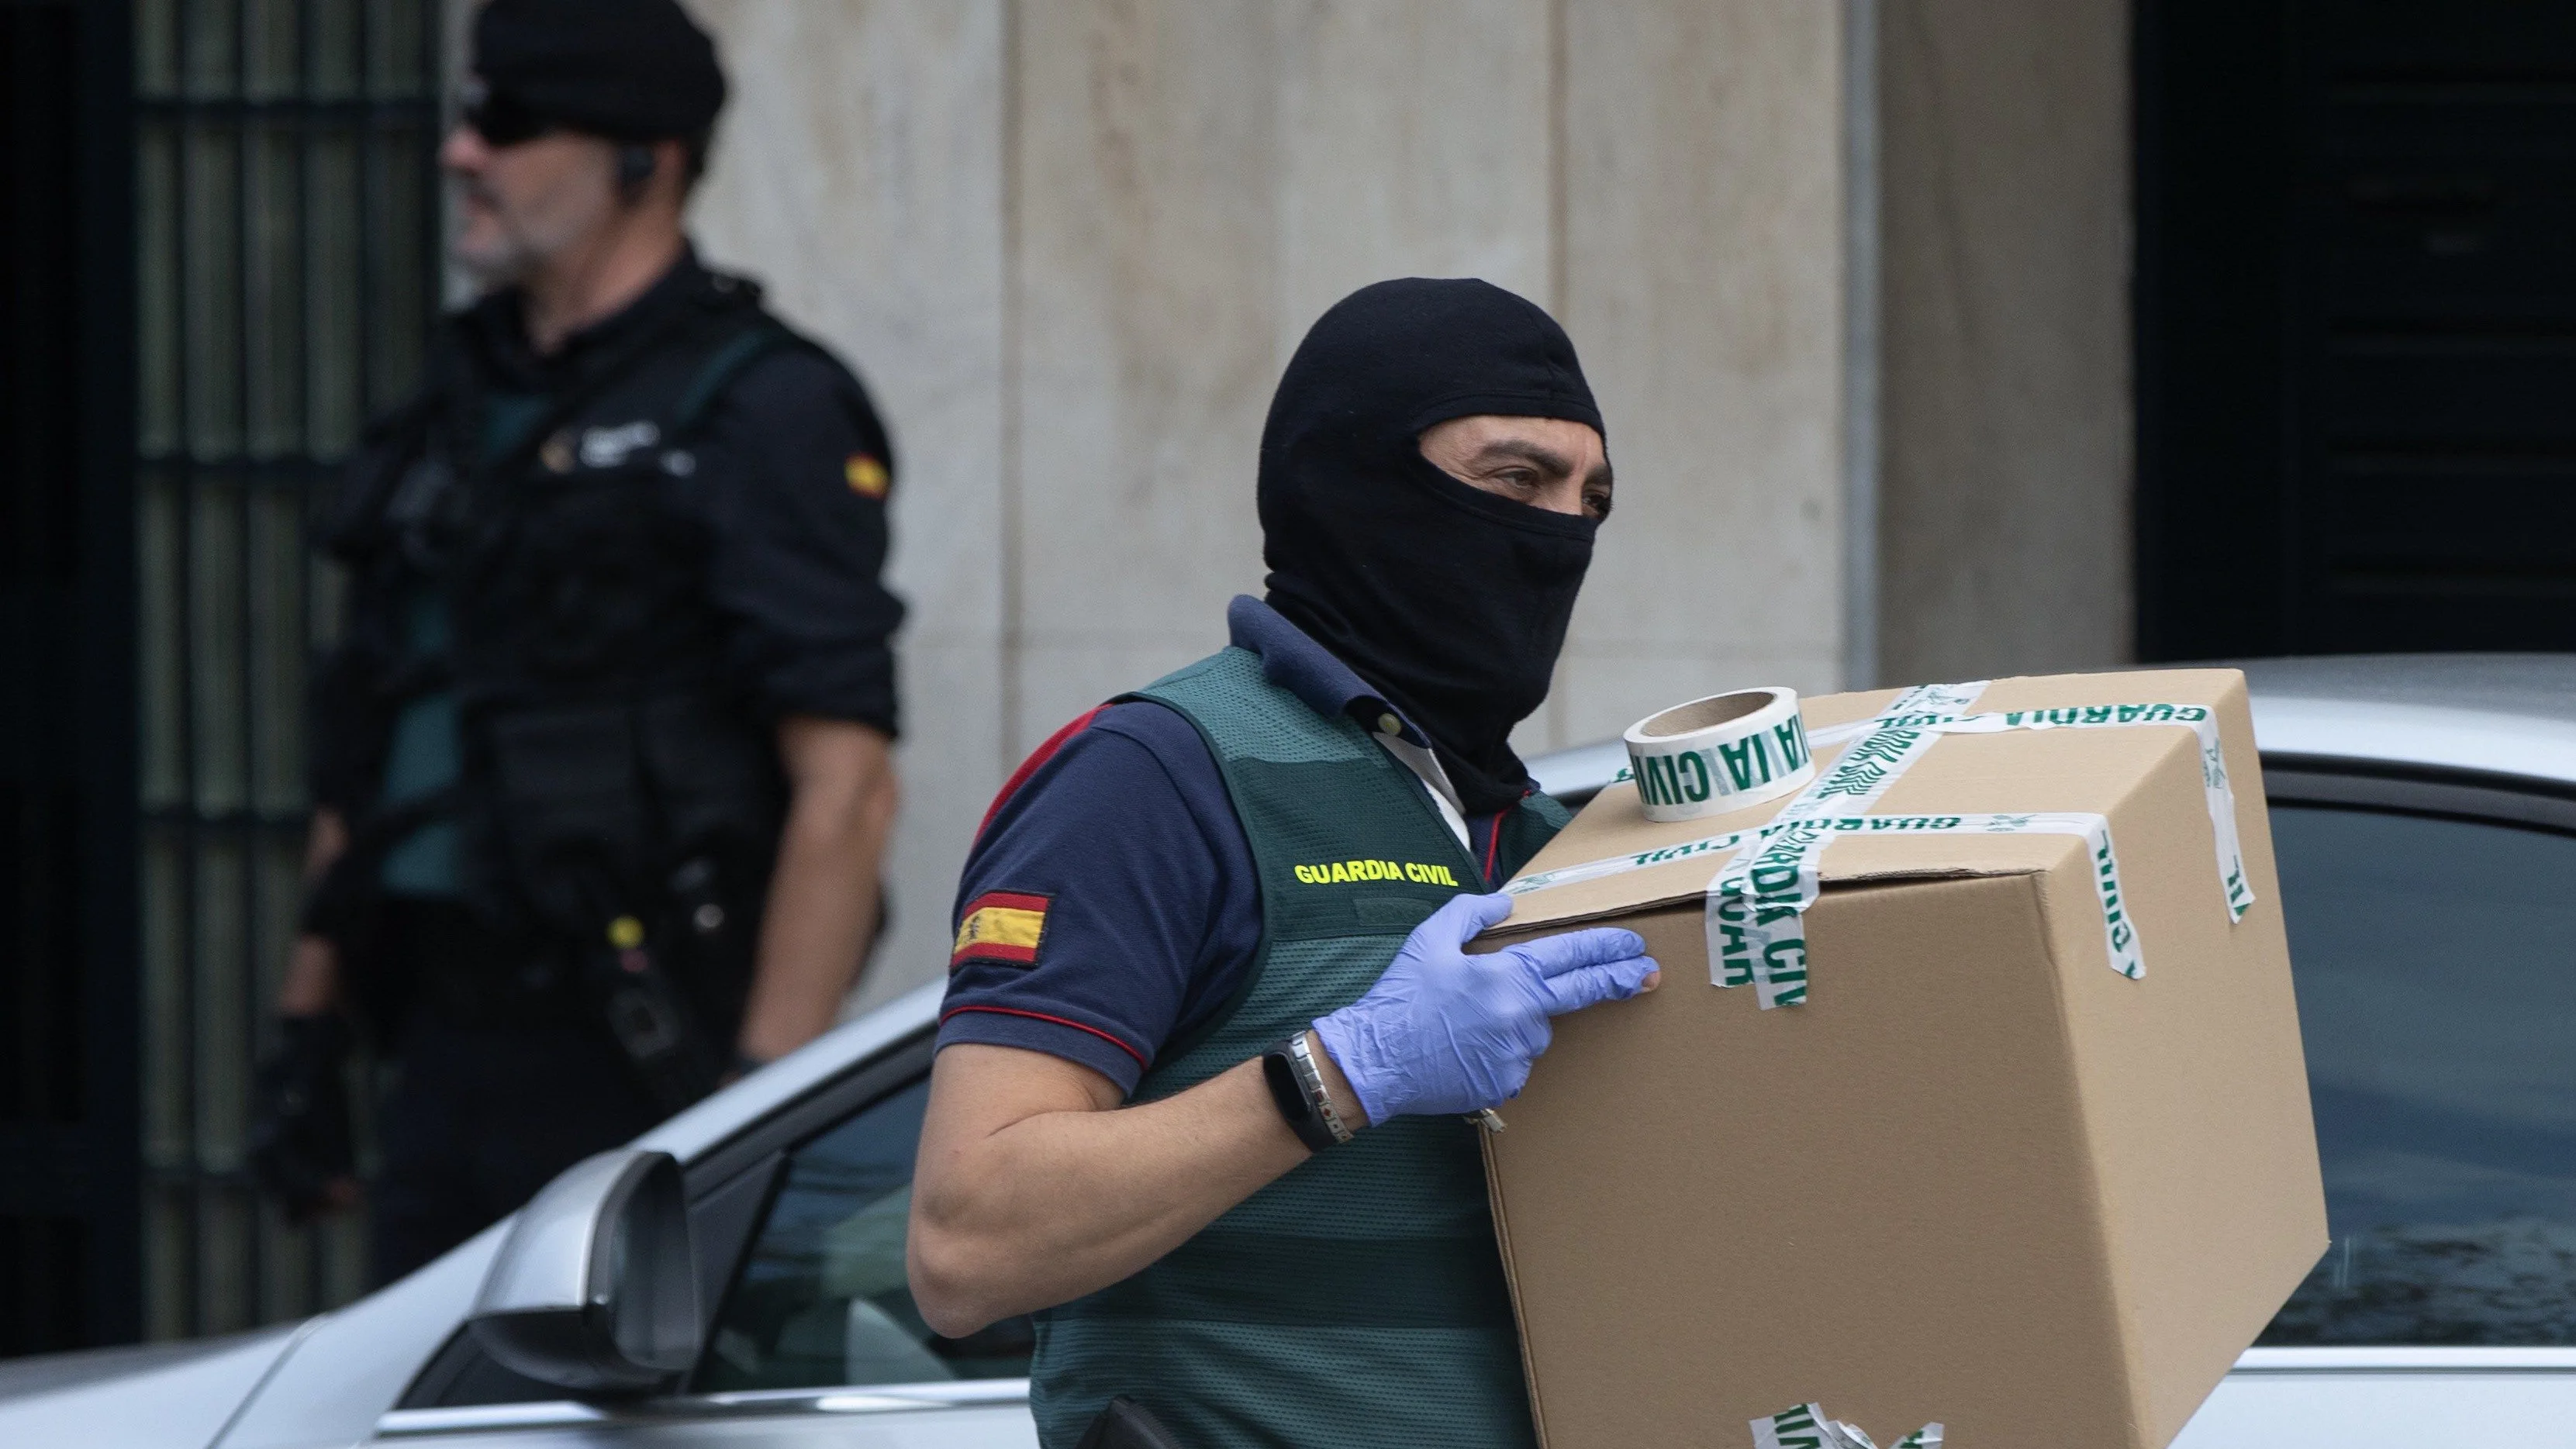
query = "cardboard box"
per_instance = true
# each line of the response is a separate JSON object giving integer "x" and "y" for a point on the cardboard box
{"x": 1979, "y": 1177}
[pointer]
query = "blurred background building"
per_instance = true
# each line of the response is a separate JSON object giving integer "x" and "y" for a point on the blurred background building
{"x": 1938, "y": 339}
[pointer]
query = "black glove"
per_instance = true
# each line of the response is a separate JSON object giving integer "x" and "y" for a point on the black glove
{"x": 299, "y": 1128}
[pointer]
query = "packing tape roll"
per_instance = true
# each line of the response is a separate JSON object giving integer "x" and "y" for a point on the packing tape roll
{"x": 1720, "y": 753}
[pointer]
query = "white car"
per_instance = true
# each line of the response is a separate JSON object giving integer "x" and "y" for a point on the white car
{"x": 736, "y": 1277}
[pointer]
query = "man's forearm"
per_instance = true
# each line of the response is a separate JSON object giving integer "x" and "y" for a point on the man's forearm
{"x": 1058, "y": 1204}
{"x": 311, "y": 985}
{"x": 823, "y": 894}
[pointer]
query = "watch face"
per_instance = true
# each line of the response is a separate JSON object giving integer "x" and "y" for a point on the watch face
{"x": 1280, "y": 1070}
{"x": 1282, "y": 1074}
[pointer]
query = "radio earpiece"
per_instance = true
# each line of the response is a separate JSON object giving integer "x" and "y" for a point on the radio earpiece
{"x": 634, "y": 171}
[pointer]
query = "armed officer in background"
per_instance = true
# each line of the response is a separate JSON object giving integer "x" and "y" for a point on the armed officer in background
{"x": 602, "y": 766}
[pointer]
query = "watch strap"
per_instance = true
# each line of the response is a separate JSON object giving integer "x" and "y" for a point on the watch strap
{"x": 1289, "y": 1090}
{"x": 1301, "y": 1057}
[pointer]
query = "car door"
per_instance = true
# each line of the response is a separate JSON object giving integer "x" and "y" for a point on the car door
{"x": 2432, "y": 924}
{"x": 814, "y": 1340}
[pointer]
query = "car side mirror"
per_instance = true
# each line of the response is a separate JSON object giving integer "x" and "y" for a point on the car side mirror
{"x": 596, "y": 1288}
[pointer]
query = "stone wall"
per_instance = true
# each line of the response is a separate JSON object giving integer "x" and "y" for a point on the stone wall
{"x": 2006, "y": 445}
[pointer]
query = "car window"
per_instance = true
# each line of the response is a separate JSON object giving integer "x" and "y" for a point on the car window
{"x": 2435, "y": 963}
{"x": 821, "y": 1298}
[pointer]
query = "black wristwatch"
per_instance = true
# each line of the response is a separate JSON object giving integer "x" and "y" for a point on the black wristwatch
{"x": 1297, "y": 1085}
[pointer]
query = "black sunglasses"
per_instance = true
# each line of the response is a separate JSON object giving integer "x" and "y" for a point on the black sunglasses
{"x": 499, "y": 117}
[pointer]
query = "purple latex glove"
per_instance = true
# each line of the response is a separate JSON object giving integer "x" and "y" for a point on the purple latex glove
{"x": 1443, "y": 1031}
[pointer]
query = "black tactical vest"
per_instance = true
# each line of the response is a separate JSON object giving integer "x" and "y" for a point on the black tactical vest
{"x": 620, "y": 798}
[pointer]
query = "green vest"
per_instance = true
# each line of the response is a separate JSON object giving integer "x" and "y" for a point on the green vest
{"x": 1358, "y": 1300}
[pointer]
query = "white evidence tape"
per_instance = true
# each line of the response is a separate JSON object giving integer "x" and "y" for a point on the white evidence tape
{"x": 1897, "y": 736}
{"x": 1773, "y": 879}
{"x": 1756, "y": 904}
{"x": 1889, "y": 744}
{"x": 1806, "y": 1427}
{"x": 1922, "y": 704}
{"x": 1756, "y": 907}
{"x": 1720, "y": 753}
{"x": 1621, "y": 864}
{"x": 2219, "y": 795}
{"x": 1925, "y": 702}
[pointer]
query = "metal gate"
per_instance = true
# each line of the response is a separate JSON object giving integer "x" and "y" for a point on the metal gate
{"x": 286, "y": 273}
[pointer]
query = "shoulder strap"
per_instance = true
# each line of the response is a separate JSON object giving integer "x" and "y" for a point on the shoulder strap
{"x": 722, "y": 366}
{"x": 748, "y": 340}
{"x": 1245, "y": 716}
{"x": 388, "y": 445}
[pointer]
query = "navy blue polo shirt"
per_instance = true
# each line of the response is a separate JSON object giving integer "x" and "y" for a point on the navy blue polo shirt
{"x": 1112, "y": 891}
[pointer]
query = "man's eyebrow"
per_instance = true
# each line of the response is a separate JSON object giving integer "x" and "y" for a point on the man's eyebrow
{"x": 1548, "y": 458}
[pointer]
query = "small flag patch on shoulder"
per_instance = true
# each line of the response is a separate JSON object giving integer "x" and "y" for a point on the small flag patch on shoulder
{"x": 866, "y": 475}
{"x": 1001, "y": 926}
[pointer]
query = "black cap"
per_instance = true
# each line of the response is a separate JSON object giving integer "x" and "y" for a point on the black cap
{"x": 630, "y": 70}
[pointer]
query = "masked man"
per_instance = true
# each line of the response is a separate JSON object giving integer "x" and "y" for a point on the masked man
{"x": 1233, "y": 905}
{"x": 603, "y": 759}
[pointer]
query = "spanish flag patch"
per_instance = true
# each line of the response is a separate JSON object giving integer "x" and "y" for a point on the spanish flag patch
{"x": 866, "y": 475}
{"x": 1003, "y": 926}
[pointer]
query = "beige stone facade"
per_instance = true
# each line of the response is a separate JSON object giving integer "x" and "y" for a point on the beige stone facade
{"x": 1071, "y": 243}
{"x": 2005, "y": 337}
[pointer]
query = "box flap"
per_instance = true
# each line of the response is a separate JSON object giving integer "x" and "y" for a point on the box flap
{"x": 2090, "y": 771}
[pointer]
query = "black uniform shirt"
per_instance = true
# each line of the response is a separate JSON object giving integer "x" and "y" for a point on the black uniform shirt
{"x": 794, "y": 471}
{"x": 1119, "y": 903}
{"x": 789, "y": 493}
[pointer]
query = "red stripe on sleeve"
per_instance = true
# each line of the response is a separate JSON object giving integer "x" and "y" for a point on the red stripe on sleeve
{"x": 1030, "y": 766}
{"x": 1058, "y": 1020}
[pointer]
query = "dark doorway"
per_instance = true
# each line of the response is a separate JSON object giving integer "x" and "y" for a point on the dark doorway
{"x": 68, "y": 978}
{"x": 2356, "y": 327}
{"x": 218, "y": 255}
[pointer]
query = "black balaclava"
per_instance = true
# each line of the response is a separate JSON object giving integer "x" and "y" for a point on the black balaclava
{"x": 1448, "y": 600}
